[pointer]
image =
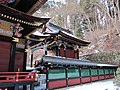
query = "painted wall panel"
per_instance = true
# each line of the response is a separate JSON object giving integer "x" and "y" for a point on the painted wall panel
{"x": 94, "y": 78}
{"x": 56, "y": 84}
{"x": 107, "y": 76}
{"x": 101, "y": 77}
{"x": 4, "y": 55}
{"x": 69, "y": 53}
{"x": 111, "y": 76}
{"x": 62, "y": 52}
{"x": 74, "y": 81}
{"x": 56, "y": 74}
{"x": 19, "y": 61}
{"x": 85, "y": 79}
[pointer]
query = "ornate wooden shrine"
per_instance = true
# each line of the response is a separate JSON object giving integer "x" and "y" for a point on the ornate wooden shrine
{"x": 59, "y": 62}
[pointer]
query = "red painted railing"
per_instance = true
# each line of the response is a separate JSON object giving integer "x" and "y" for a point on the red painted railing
{"x": 17, "y": 76}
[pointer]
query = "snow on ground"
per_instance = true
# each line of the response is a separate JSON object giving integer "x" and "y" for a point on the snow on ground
{"x": 100, "y": 85}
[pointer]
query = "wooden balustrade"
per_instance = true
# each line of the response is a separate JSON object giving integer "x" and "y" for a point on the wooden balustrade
{"x": 17, "y": 76}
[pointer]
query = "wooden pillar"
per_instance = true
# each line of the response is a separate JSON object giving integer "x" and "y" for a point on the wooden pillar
{"x": 58, "y": 51}
{"x": 66, "y": 71}
{"x": 24, "y": 62}
{"x": 64, "y": 51}
{"x": 25, "y": 56}
{"x": 109, "y": 72}
{"x": 98, "y": 73}
{"x": 77, "y": 54}
{"x": 47, "y": 79}
{"x": 104, "y": 72}
{"x": 80, "y": 74}
{"x": 12, "y": 57}
{"x": 90, "y": 74}
{"x": 31, "y": 58}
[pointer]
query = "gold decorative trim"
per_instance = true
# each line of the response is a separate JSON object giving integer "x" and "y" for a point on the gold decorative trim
{"x": 21, "y": 21}
{"x": 26, "y": 50}
{"x": 51, "y": 43}
{"x": 15, "y": 39}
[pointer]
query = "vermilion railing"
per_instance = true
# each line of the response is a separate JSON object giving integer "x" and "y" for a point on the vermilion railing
{"x": 17, "y": 76}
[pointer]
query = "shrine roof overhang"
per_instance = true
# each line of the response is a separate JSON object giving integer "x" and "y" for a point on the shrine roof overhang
{"x": 73, "y": 39}
{"x": 64, "y": 34}
{"x": 27, "y": 6}
{"x": 37, "y": 40}
{"x": 29, "y": 23}
{"x": 69, "y": 61}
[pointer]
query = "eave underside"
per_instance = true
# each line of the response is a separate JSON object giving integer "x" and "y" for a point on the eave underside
{"x": 29, "y": 23}
{"x": 27, "y": 6}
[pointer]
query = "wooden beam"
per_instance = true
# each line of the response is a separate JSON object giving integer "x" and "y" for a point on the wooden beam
{"x": 5, "y": 38}
{"x": 12, "y": 57}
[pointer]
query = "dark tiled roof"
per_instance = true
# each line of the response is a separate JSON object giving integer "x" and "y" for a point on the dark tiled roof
{"x": 70, "y": 61}
{"x": 65, "y": 34}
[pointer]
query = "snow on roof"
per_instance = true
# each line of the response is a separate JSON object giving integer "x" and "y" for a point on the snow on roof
{"x": 29, "y": 68}
{"x": 73, "y": 36}
{"x": 37, "y": 33}
{"x": 106, "y": 65}
{"x": 51, "y": 28}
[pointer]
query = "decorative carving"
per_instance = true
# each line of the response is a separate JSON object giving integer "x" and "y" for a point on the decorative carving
{"x": 16, "y": 29}
{"x": 5, "y": 28}
{"x": 15, "y": 39}
{"x": 76, "y": 47}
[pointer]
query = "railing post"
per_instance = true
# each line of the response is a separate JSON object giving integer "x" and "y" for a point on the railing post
{"x": 17, "y": 76}
{"x": 34, "y": 76}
